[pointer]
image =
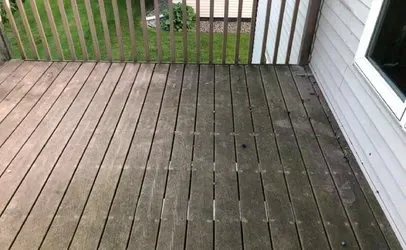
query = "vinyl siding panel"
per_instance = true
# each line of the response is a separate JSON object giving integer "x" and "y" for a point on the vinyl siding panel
{"x": 374, "y": 134}
{"x": 285, "y": 32}
{"x": 219, "y": 8}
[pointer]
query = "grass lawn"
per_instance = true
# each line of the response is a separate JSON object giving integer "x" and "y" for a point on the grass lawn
{"x": 204, "y": 37}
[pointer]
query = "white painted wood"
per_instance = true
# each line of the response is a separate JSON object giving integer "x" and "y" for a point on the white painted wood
{"x": 391, "y": 98}
{"x": 375, "y": 134}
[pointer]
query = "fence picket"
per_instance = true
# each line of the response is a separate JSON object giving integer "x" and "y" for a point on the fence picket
{"x": 79, "y": 29}
{"x": 118, "y": 30}
{"x": 197, "y": 31}
{"x": 237, "y": 42}
{"x": 41, "y": 29}
{"x": 27, "y": 28}
{"x": 211, "y": 20}
{"x": 266, "y": 30}
{"x": 184, "y": 30}
{"x": 66, "y": 28}
{"x": 106, "y": 31}
{"x": 95, "y": 40}
{"x": 132, "y": 29}
{"x": 54, "y": 29}
{"x": 278, "y": 32}
{"x": 292, "y": 31}
{"x": 225, "y": 31}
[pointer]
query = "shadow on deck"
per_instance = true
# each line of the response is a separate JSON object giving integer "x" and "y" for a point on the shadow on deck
{"x": 172, "y": 156}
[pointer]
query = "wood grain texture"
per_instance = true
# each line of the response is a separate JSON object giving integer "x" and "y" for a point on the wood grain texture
{"x": 177, "y": 156}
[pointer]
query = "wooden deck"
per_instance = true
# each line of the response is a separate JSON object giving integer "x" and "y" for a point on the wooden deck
{"x": 173, "y": 156}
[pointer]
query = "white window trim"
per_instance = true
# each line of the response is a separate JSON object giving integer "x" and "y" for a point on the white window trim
{"x": 389, "y": 96}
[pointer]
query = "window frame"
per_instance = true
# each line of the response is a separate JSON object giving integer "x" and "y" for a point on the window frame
{"x": 368, "y": 70}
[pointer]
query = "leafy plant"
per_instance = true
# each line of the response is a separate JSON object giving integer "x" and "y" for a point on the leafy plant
{"x": 13, "y": 7}
{"x": 178, "y": 18}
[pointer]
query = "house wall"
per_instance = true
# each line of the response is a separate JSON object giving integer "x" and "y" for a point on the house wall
{"x": 375, "y": 135}
{"x": 219, "y": 8}
{"x": 285, "y": 32}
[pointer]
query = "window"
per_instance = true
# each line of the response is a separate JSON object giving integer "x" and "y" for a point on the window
{"x": 381, "y": 55}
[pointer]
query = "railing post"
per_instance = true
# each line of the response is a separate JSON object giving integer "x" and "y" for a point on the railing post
{"x": 309, "y": 30}
{"x": 4, "y": 49}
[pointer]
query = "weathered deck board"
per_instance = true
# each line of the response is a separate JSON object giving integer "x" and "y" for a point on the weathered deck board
{"x": 330, "y": 205}
{"x": 308, "y": 221}
{"x": 200, "y": 216}
{"x": 253, "y": 210}
{"x": 66, "y": 164}
{"x": 172, "y": 156}
{"x": 227, "y": 218}
{"x": 280, "y": 213}
{"x": 173, "y": 227}
{"x": 45, "y": 93}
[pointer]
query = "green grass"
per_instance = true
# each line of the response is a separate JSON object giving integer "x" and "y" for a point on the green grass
{"x": 191, "y": 44}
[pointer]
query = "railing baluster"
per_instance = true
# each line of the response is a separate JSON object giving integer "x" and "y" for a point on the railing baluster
{"x": 68, "y": 33}
{"x": 184, "y": 29}
{"x": 95, "y": 40}
{"x": 211, "y": 20}
{"x": 237, "y": 42}
{"x": 79, "y": 29}
{"x": 41, "y": 29}
{"x": 225, "y": 31}
{"x": 6, "y": 6}
{"x": 118, "y": 30}
{"x": 54, "y": 29}
{"x": 6, "y": 41}
{"x": 132, "y": 29}
{"x": 171, "y": 31}
{"x": 197, "y": 31}
{"x": 278, "y": 32}
{"x": 144, "y": 30}
{"x": 292, "y": 31}
{"x": 106, "y": 31}
{"x": 27, "y": 28}
{"x": 252, "y": 29}
{"x": 266, "y": 30}
{"x": 158, "y": 30}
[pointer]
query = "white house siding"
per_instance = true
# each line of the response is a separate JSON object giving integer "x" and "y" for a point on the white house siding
{"x": 374, "y": 134}
{"x": 219, "y": 8}
{"x": 285, "y": 32}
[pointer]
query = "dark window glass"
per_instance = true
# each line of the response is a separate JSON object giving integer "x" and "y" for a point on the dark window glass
{"x": 388, "y": 47}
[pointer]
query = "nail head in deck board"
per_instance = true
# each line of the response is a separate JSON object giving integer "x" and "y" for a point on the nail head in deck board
{"x": 253, "y": 212}
{"x": 361, "y": 217}
{"x": 327, "y": 197}
{"x": 36, "y": 98}
{"x": 52, "y": 193}
{"x": 48, "y": 120}
{"x": 280, "y": 211}
{"x": 148, "y": 211}
{"x": 311, "y": 231}
{"x": 172, "y": 231}
{"x": 200, "y": 226}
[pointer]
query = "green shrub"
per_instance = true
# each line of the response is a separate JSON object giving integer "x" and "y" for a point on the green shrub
{"x": 178, "y": 18}
{"x": 13, "y": 7}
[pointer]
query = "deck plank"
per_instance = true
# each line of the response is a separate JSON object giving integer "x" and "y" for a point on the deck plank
{"x": 253, "y": 210}
{"x": 227, "y": 216}
{"x": 47, "y": 114}
{"x": 60, "y": 175}
{"x": 177, "y": 156}
{"x": 148, "y": 211}
{"x": 307, "y": 218}
{"x": 45, "y": 93}
{"x": 14, "y": 78}
{"x": 72, "y": 211}
{"x": 42, "y": 73}
{"x": 8, "y": 68}
{"x": 173, "y": 227}
{"x": 200, "y": 216}
{"x": 118, "y": 149}
{"x": 328, "y": 200}
{"x": 279, "y": 207}
{"x": 361, "y": 217}
{"x": 96, "y": 210}
{"x": 11, "y": 218}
